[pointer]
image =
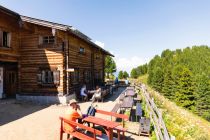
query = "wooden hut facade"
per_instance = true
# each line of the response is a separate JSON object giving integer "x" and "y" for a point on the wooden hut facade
{"x": 44, "y": 61}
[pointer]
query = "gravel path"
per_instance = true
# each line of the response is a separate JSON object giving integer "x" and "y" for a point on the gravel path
{"x": 36, "y": 122}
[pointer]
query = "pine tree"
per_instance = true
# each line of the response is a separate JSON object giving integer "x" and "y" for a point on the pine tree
{"x": 185, "y": 96}
{"x": 203, "y": 96}
{"x": 120, "y": 75}
{"x": 110, "y": 66}
{"x": 168, "y": 85}
{"x": 125, "y": 75}
{"x": 134, "y": 73}
{"x": 158, "y": 79}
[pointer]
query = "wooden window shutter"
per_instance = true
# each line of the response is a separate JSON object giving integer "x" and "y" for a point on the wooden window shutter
{"x": 39, "y": 78}
{"x": 40, "y": 40}
{"x": 9, "y": 37}
{"x": 1, "y": 38}
{"x": 50, "y": 77}
{"x": 43, "y": 77}
{"x": 56, "y": 77}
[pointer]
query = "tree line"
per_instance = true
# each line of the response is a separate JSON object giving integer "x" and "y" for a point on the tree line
{"x": 182, "y": 76}
{"x": 111, "y": 68}
{"x": 139, "y": 71}
{"x": 123, "y": 75}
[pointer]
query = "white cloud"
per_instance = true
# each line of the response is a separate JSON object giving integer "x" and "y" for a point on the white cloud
{"x": 126, "y": 64}
{"x": 99, "y": 43}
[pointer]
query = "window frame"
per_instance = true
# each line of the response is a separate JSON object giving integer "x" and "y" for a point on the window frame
{"x": 81, "y": 50}
{"x": 48, "y": 40}
{"x": 74, "y": 76}
{"x": 47, "y": 77}
{"x": 87, "y": 75}
{"x": 5, "y": 42}
{"x": 47, "y": 43}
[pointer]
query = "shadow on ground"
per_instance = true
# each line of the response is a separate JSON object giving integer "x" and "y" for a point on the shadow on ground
{"x": 12, "y": 110}
{"x": 115, "y": 95}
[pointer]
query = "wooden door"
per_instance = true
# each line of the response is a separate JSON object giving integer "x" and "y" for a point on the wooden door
{"x": 11, "y": 83}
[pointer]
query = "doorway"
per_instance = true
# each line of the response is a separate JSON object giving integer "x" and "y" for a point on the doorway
{"x": 11, "y": 83}
{"x": 8, "y": 79}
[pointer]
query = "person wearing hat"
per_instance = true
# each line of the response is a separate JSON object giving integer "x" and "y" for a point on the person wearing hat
{"x": 72, "y": 113}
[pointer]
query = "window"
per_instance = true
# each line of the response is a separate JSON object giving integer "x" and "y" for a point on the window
{"x": 82, "y": 50}
{"x": 47, "y": 77}
{"x": 101, "y": 74}
{"x": 5, "y": 39}
{"x": 74, "y": 78}
{"x": 97, "y": 75}
{"x": 48, "y": 40}
{"x": 45, "y": 40}
{"x": 97, "y": 56}
{"x": 87, "y": 76}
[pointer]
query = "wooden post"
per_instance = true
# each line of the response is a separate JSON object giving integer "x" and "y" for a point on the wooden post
{"x": 61, "y": 130}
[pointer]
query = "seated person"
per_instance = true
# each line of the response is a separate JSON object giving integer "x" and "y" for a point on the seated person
{"x": 116, "y": 81}
{"x": 126, "y": 82}
{"x": 83, "y": 92}
{"x": 97, "y": 93}
{"x": 72, "y": 113}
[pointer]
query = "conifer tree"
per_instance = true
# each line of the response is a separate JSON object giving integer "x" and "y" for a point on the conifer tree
{"x": 168, "y": 85}
{"x": 203, "y": 96}
{"x": 185, "y": 95}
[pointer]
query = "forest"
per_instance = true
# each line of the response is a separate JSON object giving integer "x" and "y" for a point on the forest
{"x": 182, "y": 76}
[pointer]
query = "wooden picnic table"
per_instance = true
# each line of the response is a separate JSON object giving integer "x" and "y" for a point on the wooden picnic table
{"x": 138, "y": 98}
{"x": 132, "y": 88}
{"x": 130, "y": 92}
{"x": 127, "y": 103}
{"x": 109, "y": 125}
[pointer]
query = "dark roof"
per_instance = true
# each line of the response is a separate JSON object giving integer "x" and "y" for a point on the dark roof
{"x": 63, "y": 27}
{"x": 10, "y": 12}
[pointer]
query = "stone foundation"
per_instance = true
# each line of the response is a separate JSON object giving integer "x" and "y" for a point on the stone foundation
{"x": 45, "y": 99}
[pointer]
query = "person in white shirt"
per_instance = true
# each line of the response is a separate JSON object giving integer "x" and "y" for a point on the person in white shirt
{"x": 97, "y": 93}
{"x": 126, "y": 81}
{"x": 83, "y": 92}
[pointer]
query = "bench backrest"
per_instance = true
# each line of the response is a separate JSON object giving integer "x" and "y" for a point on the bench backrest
{"x": 138, "y": 109}
{"x": 122, "y": 116}
{"x": 94, "y": 131}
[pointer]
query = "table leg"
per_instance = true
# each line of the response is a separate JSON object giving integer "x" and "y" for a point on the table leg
{"x": 94, "y": 135}
{"x": 110, "y": 133}
{"x": 118, "y": 135}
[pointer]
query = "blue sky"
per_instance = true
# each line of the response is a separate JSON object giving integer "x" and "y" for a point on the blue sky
{"x": 133, "y": 30}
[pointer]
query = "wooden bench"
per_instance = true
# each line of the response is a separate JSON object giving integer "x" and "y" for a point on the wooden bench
{"x": 121, "y": 97}
{"x": 116, "y": 108}
{"x": 138, "y": 98}
{"x": 104, "y": 93}
{"x": 138, "y": 110}
{"x": 120, "y": 129}
{"x": 115, "y": 87}
{"x": 76, "y": 133}
{"x": 122, "y": 116}
{"x": 144, "y": 126}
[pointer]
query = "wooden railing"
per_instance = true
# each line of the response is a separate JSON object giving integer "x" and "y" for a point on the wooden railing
{"x": 155, "y": 114}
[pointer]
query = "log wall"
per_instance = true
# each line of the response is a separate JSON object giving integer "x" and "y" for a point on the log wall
{"x": 35, "y": 56}
{"x": 10, "y": 24}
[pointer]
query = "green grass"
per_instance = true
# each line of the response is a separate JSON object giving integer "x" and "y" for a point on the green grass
{"x": 181, "y": 123}
{"x": 143, "y": 79}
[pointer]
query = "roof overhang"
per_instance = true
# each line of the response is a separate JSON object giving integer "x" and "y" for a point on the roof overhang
{"x": 9, "y": 12}
{"x": 66, "y": 28}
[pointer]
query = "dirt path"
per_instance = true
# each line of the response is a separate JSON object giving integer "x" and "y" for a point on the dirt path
{"x": 30, "y": 122}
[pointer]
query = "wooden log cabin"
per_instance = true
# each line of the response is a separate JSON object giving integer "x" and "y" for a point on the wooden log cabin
{"x": 46, "y": 62}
